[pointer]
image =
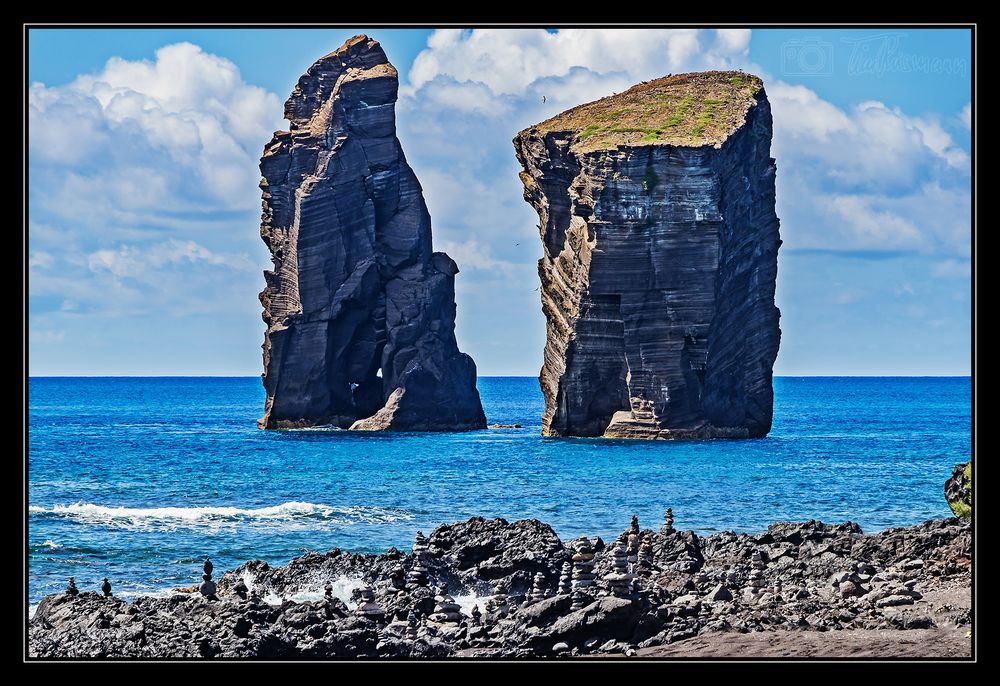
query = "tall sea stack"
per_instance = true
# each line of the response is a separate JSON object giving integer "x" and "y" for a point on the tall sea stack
{"x": 660, "y": 245}
{"x": 360, "y": 311}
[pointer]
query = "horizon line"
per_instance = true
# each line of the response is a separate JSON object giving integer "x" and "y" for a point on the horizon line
{"x": 481, "y": 376}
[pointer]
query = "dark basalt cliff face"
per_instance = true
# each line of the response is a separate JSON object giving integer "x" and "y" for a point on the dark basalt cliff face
{"x": 360, "y": 311}
{"x": 660, "y": 256}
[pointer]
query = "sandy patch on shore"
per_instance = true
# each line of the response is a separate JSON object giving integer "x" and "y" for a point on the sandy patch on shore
{"x": 948, "y": 642}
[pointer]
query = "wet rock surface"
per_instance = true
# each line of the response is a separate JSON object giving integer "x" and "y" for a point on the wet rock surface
{"x": 793, "y": 578}
{"x": 360, "y": 310}
{"x": 659, "y": 260}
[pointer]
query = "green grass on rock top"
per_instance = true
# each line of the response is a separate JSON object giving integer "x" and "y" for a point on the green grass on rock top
{"x": 700, "y": 108}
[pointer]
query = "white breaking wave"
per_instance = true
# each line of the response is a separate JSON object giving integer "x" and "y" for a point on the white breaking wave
{"x": 312, "y": 591}
{"x": 147, "y": 593}
{"x": 292, "y": 512}
{"x": 343, "y": 587}
{"x": 48, "y": 543}
{"x": 467, "y": 601}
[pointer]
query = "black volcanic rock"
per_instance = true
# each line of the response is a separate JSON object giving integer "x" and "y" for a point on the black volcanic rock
{"x": 809, "y": 576}
{"x": 659, "y": 263}
{"x": 486, "y": 550}
{"x": 360, "y": 311}
{"x": 958, "y": 490}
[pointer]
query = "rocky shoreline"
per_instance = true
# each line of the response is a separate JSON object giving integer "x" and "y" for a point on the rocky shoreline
{"x": 654, "y": 593}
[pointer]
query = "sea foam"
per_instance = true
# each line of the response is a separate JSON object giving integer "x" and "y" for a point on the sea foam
{"x": 291, "y": 512}
{"x": 341, "y": 587}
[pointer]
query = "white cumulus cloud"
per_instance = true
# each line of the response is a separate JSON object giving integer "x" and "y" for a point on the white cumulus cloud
{"x": 184, "y": 129}
{"x": 473, "y": 255}
{"x": 39, "y": 259}
{"x": 131, "y": 262}
{"x": 510, "y": 60}
{"x": 965, "y": 116}
{"x": 143, "y": 187}
{"x": 868, "y": 177}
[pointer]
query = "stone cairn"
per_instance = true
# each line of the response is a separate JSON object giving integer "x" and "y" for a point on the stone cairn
{"x": 106, "y": 588}
{"x": 632, "y": 552}
{"x": 554, "y": 552}
{"x": 412, "y": 625}
{"x": 397, "y": 577}
{"x": 476, "y": 615}
{"x": 566, "y": 579}
{"x": 418, "y": 572}
{"x": 241, "y": 590}
{"x": 328, "y": 591}
{"x": 537, "y": 589}
{"x": 208, "y": 587}
{"x": 618, "y": 580}
{"x": 668, "y": 522}
{"x": 645, "y": 567}
{"x": 499, "y": 602}
{"x": 446, "y": 610}
{"x": 583, "y": 573}
{"x": 367, "y": 607}
{"x": 72, "y": 590}
{"x": 756, "y": 578}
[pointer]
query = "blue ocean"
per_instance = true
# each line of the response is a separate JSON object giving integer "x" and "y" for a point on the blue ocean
{"x": 140, "y": 479}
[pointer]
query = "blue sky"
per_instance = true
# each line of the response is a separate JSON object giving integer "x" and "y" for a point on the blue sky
{"x": 144, "y": 254}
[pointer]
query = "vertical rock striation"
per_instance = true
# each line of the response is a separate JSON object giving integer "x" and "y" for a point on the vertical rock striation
{"x": 660, "y": 245}
{"x": 360, "y": 311}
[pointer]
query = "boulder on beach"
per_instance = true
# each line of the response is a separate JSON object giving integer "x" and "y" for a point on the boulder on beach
{"x": 958, "y": 490}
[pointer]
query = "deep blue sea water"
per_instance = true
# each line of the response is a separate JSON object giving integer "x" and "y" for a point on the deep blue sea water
{"x": 139, "y": 479}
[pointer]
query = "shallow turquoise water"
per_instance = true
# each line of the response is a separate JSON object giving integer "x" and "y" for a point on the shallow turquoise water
{"x": 138, "y": 479}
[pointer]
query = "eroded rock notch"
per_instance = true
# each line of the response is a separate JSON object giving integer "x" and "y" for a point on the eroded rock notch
{"x": 660, "y": 244}
{"x": 360, "y": 311}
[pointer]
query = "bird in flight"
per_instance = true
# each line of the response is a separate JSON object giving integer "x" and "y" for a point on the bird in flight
{"x": 543, "y": 99}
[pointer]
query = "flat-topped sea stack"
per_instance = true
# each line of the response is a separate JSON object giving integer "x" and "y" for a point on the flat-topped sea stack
{"x": 660, "y": 244}
{"x": 360, "y": 310}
